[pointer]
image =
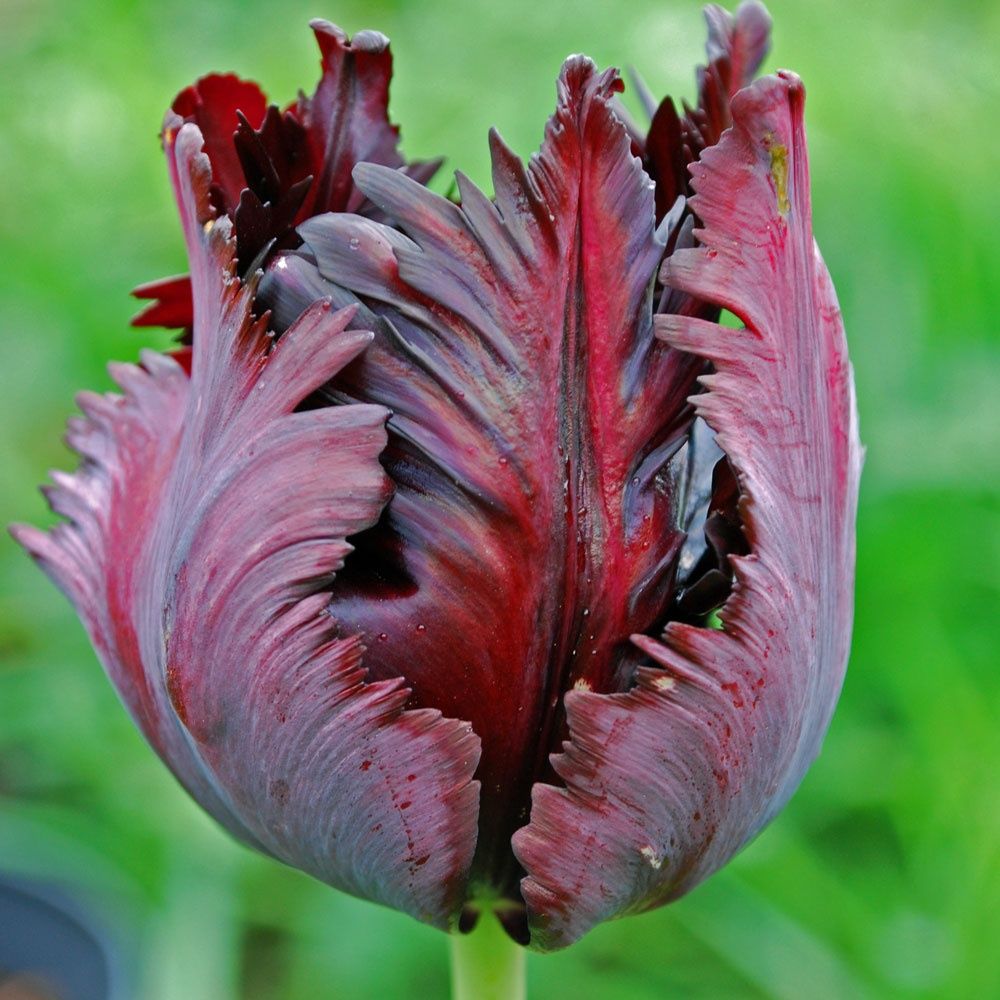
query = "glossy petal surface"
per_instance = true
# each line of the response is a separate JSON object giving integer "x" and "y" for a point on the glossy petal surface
{"x": 476, "y": 493}
{"x": 664, "y": 783}
{"x": 534, "y": 421}
{"x": 347, "y": 119}
{"x": 206, "y": 525}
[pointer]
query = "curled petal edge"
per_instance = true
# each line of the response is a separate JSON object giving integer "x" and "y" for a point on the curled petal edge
{"x": 205, "y": 525}
{"x": 664, "y": 783}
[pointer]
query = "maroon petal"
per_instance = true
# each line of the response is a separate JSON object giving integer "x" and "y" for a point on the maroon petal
{"x": 273, "y": 169}
{"x": 206, "y": 525}
{"x": 347, "y": 119}
{"x": 664, "y": 783}
{"x": 737, "y": 45}
{"x": 217, "y": 104}
{"x": 214, "y": 103}
{"x": 736, "y": 48}
{"x": 536, "y": 422}
{"x": 171, "y": 305}
{"x": 276, "y": 164}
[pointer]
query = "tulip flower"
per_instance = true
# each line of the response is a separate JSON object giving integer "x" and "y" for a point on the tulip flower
{"x": 464, "y": 559}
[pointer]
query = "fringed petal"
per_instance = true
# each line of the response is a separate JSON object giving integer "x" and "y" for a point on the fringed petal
{"x": 535, "y": 423}
{"x": 663, "y": 784}
{"x": 347, "y": 119}
{"x": 272, "y": 169}
{"x": 207, "y": 523}
{"x": 737, "y": 46}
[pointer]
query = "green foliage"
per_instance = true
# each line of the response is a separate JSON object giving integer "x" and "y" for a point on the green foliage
{"x": 881, "y": 878}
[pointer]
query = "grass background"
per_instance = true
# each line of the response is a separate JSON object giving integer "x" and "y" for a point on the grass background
{"x": 882, "y": 878}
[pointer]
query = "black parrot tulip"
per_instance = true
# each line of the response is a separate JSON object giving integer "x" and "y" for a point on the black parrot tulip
{"x": 459, "y": 553}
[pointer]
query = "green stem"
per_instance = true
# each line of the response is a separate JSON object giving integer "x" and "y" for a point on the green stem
{"x": 486, "y": 964}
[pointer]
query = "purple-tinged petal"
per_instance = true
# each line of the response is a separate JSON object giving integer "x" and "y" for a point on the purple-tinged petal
{"x": 347, "y": 119}
{"x": 536, "y": 422}
{"x": 665, "y": 783}
{"x": 207, "y": 523}
{"x": 127, "y": 444}
{"x": 736, "y": 47}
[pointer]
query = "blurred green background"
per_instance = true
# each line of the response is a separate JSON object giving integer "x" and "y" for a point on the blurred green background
{"x": 882, "y": 878}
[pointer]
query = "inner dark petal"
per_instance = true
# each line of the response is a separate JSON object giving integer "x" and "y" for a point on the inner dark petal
{"x": 713, "y": 531}
{"x": 276, "y": 166}
{"x": 490, "y": 614}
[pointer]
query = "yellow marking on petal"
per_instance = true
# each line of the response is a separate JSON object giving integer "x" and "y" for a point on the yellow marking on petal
{"x": 664, "y": 683}
{"x": 582, "y": 685}
{"x": 779, "y": 171}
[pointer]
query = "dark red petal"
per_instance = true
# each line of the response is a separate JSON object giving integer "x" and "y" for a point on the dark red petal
{"x": 206, "y": 526}
{"x": 213, "y": 104}
{"x": 127, "y": 444}
{"x": 274, "y": 157}
{"x": 666, "y": 782}
{"x": 347, "y": 119}
{"x": 667, "y": 156}
{"x": 274, "y": 169}
{"x": 736, "y": 48}
{"x": 743, "y": 41}
{"x": 535, "y": 419}
{"x": 172, "y": 305}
